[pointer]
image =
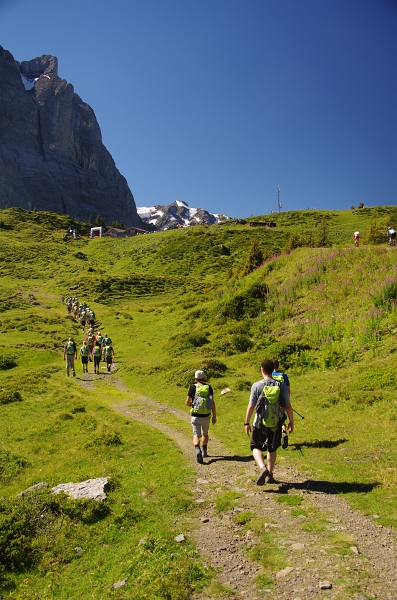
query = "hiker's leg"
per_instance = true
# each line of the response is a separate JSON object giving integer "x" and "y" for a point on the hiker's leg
{"x": 271, "y": 460}
{"x": 258, "y": 457}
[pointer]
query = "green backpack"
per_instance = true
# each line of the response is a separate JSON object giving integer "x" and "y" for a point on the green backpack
{"x": 278, "y": 377}
{"x": 268, "y": 406}
{"x": 202, "y": 402}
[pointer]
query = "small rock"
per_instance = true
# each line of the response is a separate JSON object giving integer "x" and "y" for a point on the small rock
{"x": 284, "y": 572}
{"x": 79, "y": 550}
{"x": 354, "y": 549}
{"x": 119, "y": 584}
{"x": 204, "y": 520}
{"x": 200, "y": 500}
{"x": 74, "y": 287}
{"x": 375, "y": 516}
{"x": 180, "y": 538}
{"x": 325, "y": 585}
{"x": 34, "y": 488}
{"x": 142, "y": 541}
{"x": 297, "y": 546}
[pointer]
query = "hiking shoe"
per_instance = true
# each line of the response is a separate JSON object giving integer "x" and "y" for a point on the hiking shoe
{"x": 284, "y": 440}
{"x": 199, "y": 458}
{"x": 264, "y": 472}
{"x": 270, "y": 478}
{"x": 204, "y": 453}
{"x": 74, "y": 374}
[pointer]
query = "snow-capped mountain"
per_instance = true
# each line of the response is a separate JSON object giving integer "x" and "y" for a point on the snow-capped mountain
{"x": 178, "y": 214}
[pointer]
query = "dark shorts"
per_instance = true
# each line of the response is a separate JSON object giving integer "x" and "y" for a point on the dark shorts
{"x": 84, "y": 360}
{"x": 97, "y": 360}
{"x": 393, "y": 235}
{"x": 266, "y": 439}
{"x": 109, "y": 360}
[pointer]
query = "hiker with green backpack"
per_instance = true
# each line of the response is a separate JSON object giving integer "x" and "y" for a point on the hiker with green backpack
{"x": 279, "y": 376}
{"x": 200, "y": 398}
{"x": 269, "y": 399}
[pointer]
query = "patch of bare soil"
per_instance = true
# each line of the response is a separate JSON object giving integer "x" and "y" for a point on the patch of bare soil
{"x": 366, "y": 569}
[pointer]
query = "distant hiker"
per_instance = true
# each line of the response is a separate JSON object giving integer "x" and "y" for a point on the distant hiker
{"x": 392, "y": 236}
{"x": 84, "y": 353}
{"x": 269, "y": 399}
{"x": 69, "y": 354}
{"x": 106, "y": 341}
{"x": 82, "y": 319}
{"x": 201, "y": 399}
{"x": 90, "y": 343}
{"x": 278, "y": 376}
{"x": 108, "y": 355}
{"x": 356, "y": 237}
{"x": 97, "y": 354}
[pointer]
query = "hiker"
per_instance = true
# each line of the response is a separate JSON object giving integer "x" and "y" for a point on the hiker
{"x": 90, "y": 343}
{"x": 69, "y": 354}
{"x": 84, "y": 353}
{"x": 201, "y": 399}
{"x": 108, "y": 355}
{"x": 278, "y": 376}
{"x": 97, "y": 354}
{"x": 356, "y": 237}
{"x": 269, "y": 399}
{"x": 392, "y": 236}
{"x": 106, "y": 341}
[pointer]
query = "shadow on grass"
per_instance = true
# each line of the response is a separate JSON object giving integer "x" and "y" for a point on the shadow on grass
{"x": 319, "y": 444}
{"x": 326, "y": 487}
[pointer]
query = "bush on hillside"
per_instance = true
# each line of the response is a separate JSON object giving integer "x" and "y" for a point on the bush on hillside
{"x": 387, "y": 296}
{"x": 37, "y": 526}
{"x": 7, "y": 362}
{"x": 246, "y": 304}
{"x": 11, "y": 465}
{"x": 8, "y": 396}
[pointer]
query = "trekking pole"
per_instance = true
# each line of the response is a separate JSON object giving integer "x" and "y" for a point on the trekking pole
{"x": 301, "y": 416}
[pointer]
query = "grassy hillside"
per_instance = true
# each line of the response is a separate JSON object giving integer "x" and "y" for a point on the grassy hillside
{"x": 173, "y": 302}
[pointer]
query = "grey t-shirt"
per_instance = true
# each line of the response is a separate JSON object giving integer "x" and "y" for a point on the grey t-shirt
{"x": 257, "y": 389}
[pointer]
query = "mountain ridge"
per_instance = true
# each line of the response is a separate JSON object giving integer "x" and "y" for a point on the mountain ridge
{"x": 51, "y": 152}
{"x": 178, "y": 214}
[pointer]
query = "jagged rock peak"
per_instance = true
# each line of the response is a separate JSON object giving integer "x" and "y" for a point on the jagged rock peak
{"x": 43, "y": 65}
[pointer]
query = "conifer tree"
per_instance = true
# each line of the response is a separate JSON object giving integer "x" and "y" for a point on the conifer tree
{"x": 254, "y": 258}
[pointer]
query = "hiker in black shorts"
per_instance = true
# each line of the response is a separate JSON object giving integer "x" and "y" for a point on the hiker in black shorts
{"x": 267, "y": 438}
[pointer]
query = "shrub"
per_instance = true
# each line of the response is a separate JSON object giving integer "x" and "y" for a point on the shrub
{"x": 241, "y": 342}
{"x": 11, "y": 465}
{"x": 8, "y": 396}
{"x": 7, "y": 362}
{"x": 249, "y": 303}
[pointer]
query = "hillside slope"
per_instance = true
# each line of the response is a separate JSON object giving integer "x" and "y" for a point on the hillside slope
{"x": 173, "y": 302}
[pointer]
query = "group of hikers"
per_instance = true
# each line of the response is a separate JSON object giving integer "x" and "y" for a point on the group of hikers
{"x": 390, "y": 232}
{"x": 270, "y": 403}
{"x": 269, "y": 400}
{"x": 95, "y": 346}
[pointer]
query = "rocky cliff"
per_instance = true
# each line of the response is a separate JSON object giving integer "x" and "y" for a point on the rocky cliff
{"x": 51, "y": 151}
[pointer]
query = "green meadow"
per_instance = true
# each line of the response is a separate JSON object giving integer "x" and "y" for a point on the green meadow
{"x": 218, "y": 298}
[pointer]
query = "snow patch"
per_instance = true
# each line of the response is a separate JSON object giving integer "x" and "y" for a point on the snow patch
{"x": 181, "y": 203}
{"x": 28, "y": 83}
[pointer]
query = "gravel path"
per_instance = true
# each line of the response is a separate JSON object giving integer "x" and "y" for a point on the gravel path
{"x": 330, "y": 550}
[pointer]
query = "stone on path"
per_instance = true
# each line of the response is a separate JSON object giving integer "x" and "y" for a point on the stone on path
{"x": 179, "y": 538}
{"x": 325, "y": 585}
{"x": 284, "y": 572}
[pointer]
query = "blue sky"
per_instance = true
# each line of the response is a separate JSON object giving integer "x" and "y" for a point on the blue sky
{"x": 217, "y": 102}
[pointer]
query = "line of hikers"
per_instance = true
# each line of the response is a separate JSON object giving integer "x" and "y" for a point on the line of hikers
{"x": 95, "y": 347}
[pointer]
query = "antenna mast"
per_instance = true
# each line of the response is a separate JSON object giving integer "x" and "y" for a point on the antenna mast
{"x": 278, "y": 199}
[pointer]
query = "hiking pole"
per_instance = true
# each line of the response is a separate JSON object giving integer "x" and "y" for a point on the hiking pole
{"x": 295, "y": 411}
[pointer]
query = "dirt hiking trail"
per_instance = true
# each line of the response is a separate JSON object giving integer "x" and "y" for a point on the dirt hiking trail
{"x": 317, "y": 565}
